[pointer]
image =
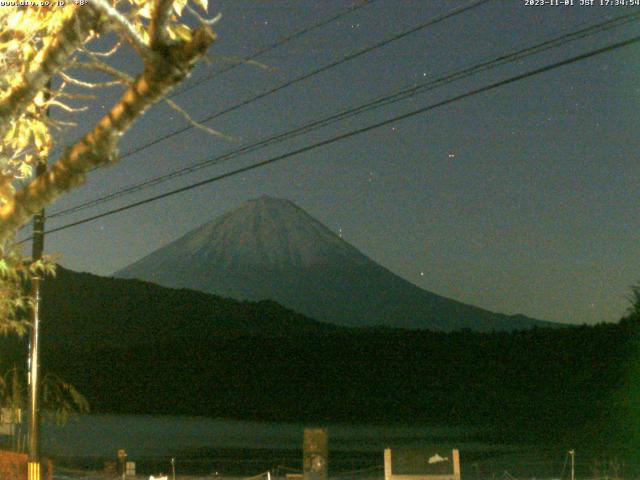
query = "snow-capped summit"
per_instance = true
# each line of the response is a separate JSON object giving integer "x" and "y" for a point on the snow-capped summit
{"x": 269, "y": 248}
{"x": 269, "y": 232}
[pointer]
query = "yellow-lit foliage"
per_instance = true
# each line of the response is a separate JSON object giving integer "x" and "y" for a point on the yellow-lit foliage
{"x": 24, "y": 32}
{"x": 41, "y": 51}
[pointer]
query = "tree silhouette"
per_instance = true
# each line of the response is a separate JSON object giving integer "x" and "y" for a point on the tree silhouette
{"x": 633, "y": 311}
{"x": 44, "y": 51}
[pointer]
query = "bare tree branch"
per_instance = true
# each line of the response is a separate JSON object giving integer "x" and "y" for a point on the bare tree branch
{"x": 158, "y": 27}
{"x": 108, "y": 53}
{"x": 59, "y": 124}
{"x": 124, "y": 26}
{"x": 201, "y": 19}
{"x": 105, "y": 68}
{"x": 97, "y": 147}
{"x": 47, "y": 63}
{"x": 68, "y": 78}
{"x": 66, "y": 108}
{"x": 195, "y": 123}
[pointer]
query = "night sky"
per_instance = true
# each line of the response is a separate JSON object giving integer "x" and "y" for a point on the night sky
{"x": 523, "y": 199}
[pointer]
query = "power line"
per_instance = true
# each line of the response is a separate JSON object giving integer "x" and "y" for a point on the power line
{"x": 353, "y": 133}
{"x": 351, "y": 56}
{"x": 356, "y": 54}
{"x": 376, "y": 103}
{"x": 274, "y": 45}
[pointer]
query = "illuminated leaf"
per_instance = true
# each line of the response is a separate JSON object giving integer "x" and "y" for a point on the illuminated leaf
{"x": 204, "y": 4}
{"x": 40, "y": 137}
{"x": 145, "y": 11}
{"x": 28, "y": 36}
{"x": 180, "y": 31}
{"x": 25, "y": 170}
{"x": 178, "y": 6}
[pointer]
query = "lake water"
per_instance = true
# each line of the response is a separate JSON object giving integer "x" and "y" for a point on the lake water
{"x": 102, "y": 435}
{"x": 239, "y": 448}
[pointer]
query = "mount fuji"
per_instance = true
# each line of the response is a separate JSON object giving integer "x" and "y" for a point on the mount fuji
{"x": 269, "y": 248}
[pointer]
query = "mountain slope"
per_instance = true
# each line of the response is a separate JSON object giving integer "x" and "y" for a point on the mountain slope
{"x": 87, "y": 312}
{"x": 271, "y": 249}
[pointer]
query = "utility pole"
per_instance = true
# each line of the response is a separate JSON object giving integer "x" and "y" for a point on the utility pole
{"x": 37, "y": 247}
{"x": 34, "y": 344}
{"x": 572, "y": 452}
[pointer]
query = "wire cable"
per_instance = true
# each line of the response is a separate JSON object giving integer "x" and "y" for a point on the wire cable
{"x": 353, "y": 133}
{"x": 268, "y": 48}
{"x": 376, "y": 103}
{"x": 358, "y": 53}
{"x": 273, "y": 46}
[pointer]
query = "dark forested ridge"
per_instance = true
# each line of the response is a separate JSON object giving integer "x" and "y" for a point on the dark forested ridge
{"x": 538, "y": 384}
{"x": 137, "y": 348}
{"x": 85, "y": 311}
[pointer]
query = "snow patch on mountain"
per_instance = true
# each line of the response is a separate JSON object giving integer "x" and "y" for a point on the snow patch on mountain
{"x": 266, "y": 232}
